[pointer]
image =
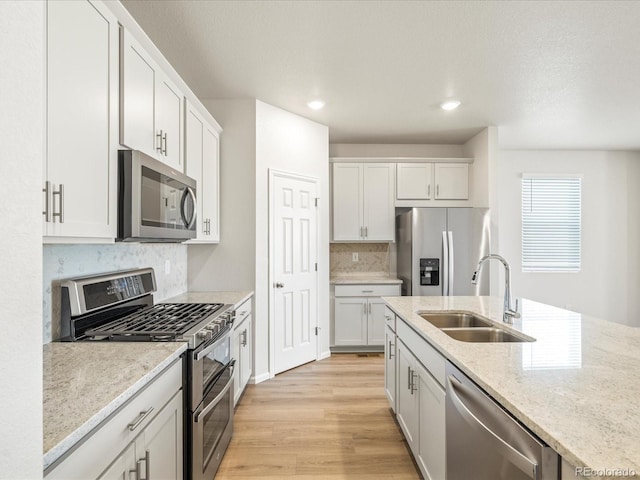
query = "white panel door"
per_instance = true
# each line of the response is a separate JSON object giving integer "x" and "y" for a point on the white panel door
{"x": 376, "y": 322}
{"x": 137, "y": 113}
{"x": 379, "y": 210}
{"x": 294, "y": 256}
{"x": 350, "y": 323}
{"x": 82, "y": 106}
{"x": 347, "y": 202}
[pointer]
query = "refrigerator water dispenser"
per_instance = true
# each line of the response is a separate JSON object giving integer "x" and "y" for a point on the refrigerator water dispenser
{"x": 429, "y": 271}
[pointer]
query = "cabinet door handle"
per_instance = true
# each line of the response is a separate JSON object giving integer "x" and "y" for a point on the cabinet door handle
{"x": 159, "y": 137}
{"x": 60, "y": 213}
{"x": 47, "y": 201}
{"x": 428, "y": 191}
{"x": 136, "y": 423}
{"x": 437, "y": 191}
{"x": 366, "y": 232}
{"x": 369, "y": 309}
{"x": 413, "y": 382}
{"x": 409, "y": 378}
{"x": 244, "y": 338}
{"x": 146, "y": 461}
{"x": 362, "y": 232}
{"x": 390, "y": 351}
{"x": 164, "y": 138}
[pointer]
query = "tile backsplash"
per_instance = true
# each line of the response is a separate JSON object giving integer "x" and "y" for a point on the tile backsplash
{"x": 373, "y": 258}
{"x": 66, "y": 261}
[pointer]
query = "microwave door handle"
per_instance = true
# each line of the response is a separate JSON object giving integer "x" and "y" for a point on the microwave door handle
{"x": 188, "y": 222}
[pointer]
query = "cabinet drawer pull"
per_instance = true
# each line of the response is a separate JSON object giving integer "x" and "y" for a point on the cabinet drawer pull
{"x": 135, "y": 424}
{"x": 367, "y": 291}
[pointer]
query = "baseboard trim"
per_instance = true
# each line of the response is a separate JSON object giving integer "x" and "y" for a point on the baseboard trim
{"x": 324, "y": 355}
{"x": 255, "y": 379}
{"x": 358, "y": 349}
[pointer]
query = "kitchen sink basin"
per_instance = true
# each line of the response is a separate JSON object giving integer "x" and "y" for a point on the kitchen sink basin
{"x": 483, "y": 335}
{"x": 455, "y": 320}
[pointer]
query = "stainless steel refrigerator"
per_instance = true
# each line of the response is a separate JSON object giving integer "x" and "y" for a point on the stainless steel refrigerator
{"x": 439, "y": 249}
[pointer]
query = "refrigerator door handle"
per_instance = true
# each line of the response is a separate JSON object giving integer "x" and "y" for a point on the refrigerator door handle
{"x": 445, "y": 264}
{"x": 450, "y": 262}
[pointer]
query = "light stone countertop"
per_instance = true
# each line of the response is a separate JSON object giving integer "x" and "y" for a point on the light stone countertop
{"x": 577, "y": 386}
{"x": 85, "y": 382}
{"x": 235, "y": 298}
{"x": 363, "y": 278}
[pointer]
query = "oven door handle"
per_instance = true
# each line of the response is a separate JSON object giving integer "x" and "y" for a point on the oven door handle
{"x": 216, "y": 400}
{"x": 207, "y": 349}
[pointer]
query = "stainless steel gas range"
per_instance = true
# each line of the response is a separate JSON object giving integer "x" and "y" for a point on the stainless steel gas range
{"x": 118, "y": 306}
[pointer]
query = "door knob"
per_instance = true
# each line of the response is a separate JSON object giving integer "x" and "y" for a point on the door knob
{"x": 278, "y": 285}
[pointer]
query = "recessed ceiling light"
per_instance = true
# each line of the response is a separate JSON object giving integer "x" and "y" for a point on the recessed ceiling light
{"x": 315, "y": 104}
{"x": 450, "y": 104}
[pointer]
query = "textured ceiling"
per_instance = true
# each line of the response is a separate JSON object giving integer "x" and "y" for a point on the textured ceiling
{"x": 550, "y": 74}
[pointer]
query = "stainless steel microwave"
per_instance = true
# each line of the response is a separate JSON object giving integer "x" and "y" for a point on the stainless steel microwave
{"x": 155, "y": 202}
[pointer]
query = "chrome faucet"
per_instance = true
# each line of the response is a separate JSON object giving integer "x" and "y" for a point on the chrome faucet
{"x": 509, "y": 313}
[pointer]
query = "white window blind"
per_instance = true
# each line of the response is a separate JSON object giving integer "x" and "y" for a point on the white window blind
{"x": 551, "y": 210}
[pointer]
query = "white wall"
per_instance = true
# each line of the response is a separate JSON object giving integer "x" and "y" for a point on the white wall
{"x": 258, "y": 137}
{"x": 291, "y": 143}
{"x": 22, "y": 135}
{"x": 231, "y": 264}
{"x": 608, "y": 284}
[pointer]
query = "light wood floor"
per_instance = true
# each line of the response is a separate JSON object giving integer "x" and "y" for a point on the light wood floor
{"x": 323, "y": 420}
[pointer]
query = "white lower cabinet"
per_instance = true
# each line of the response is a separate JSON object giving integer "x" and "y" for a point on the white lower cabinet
{"x": 242, "y": 349}
{"x": 431, "y": 455}
{"x": 359, "y": 314}
{"x": 390, "y": 353}
{"x": 145, "y": 435}
{"x": 420, "y": 401}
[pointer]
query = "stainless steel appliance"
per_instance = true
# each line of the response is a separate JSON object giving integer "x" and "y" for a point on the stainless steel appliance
{"x": 119, "y": 306}
{"x": 439, "y": 248}
{"x": 485, "y": 442}
{"x": 155, "y": 202}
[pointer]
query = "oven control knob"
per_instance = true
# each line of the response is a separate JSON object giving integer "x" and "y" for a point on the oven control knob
{"x": 202, "y": 335}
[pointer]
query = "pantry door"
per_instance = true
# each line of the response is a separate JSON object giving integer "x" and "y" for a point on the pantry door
{"x": 293, "y": 266}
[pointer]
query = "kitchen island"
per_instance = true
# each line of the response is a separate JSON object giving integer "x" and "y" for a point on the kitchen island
{"x": 577, "y": 386}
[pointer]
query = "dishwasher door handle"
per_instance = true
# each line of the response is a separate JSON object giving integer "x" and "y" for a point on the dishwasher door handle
{"x": 522, "y": 462}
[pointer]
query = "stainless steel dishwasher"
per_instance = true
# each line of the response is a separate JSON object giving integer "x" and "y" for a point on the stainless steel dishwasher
{"x": 485, "y": 443}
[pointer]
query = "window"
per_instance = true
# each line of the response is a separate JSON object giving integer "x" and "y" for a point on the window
{"x": 551, "y": 208}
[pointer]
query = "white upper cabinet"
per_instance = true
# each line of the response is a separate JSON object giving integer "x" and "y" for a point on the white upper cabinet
{"x": 413, "y": 181}
{"x": 79, "y": 196}
{"x": 151, "y": 106}
{"x": 363, "y": 207}
{"x": 202, "y": 155}
{"x": 424, "y": 184}
{"x": 452, "y": 181}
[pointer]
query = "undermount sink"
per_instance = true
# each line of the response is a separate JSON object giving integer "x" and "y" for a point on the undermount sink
{"x": 467, "y": 327}
{"x": 483, "y": 334}
{"x": 455, "y": 320}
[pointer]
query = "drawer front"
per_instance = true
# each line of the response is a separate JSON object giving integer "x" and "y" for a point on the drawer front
{"x": 98, "y": 448}
{"x": 432, "y": 360}
{"x": 364, "y": 290}
{"x": 390, "y": 318}
{"x": 243, "y": 311}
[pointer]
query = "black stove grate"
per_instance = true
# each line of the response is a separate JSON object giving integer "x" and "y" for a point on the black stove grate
{"x": 162, "y": 321}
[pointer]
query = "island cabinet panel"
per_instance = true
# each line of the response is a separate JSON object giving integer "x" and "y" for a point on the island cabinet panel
{"x": 390, "y": 353}
{"x": 420, "y": 396}
{"x": 145, "y": 432}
